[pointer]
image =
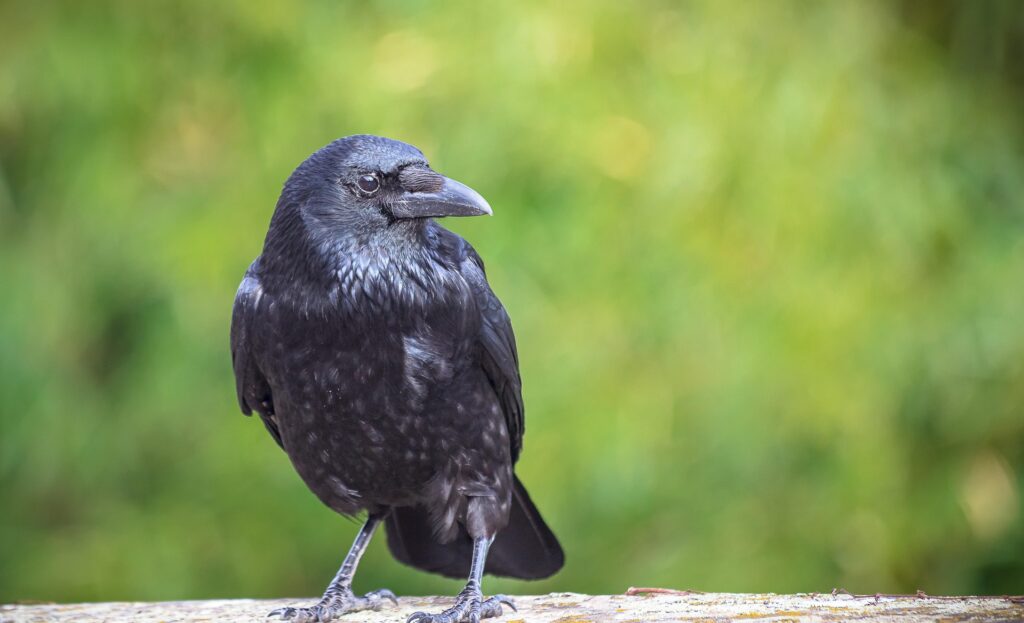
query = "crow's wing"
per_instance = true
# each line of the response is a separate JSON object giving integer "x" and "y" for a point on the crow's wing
{"x": 253, "y": 389}
{"x": 499, "y": 357}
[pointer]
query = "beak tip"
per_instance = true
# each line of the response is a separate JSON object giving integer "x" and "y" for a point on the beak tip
{"x": 473, "y": 202}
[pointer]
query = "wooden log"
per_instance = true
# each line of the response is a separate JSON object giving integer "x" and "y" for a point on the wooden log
{"x": 645, "y": 605}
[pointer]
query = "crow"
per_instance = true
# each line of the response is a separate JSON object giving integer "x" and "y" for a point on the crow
{"x": 369, "y": 342}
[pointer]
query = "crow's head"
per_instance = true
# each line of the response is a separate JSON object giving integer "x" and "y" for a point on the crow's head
{"x": 362, "y": 185}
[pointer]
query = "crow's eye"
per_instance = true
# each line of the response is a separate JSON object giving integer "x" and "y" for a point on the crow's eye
{"x": 369, "y": 184}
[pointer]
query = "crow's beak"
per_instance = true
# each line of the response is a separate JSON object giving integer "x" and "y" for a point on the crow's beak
{"x": 452, "y": 199}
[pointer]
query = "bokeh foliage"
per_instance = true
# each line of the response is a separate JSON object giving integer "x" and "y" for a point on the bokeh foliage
{"x": 764, "y": 260}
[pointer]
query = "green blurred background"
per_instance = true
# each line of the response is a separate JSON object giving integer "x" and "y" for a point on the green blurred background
{"x": 765, "y": 262}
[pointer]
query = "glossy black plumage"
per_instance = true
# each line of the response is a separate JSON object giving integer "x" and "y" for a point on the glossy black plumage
{"x": 368, "y": 341}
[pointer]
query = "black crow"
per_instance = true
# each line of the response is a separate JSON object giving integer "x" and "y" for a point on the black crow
{"x": 368, "y": 340}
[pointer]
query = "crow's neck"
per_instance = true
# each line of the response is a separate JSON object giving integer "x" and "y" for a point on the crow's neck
{"x": 379, "y": 271}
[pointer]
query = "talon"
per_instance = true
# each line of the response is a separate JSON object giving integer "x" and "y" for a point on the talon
{"x": 505, "y": 599}
{"x": 384, "y": 593}
{"x": 416, "y": 616}
{"x": 284, "y": 613}
{"x": 492, "y": 607}
{"x": 299, "y": 614}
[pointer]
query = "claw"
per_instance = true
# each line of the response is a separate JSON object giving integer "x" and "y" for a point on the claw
{"x": 301, "y": 614}
{"x": 492, "y": 607}
{"x": 505, "y": 599}
{"x": 284, "y": 613}
{"x": 383, "y": 593}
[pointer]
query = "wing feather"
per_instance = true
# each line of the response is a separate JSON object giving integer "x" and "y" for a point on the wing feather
{"x": 499, "y": 358}
{"x": 252, "y": 387}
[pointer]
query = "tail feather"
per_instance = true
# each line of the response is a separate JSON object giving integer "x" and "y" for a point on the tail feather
{"x": 525, "y": 549}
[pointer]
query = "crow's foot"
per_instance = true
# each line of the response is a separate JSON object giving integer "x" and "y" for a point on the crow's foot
{"x": 470, "y": 607}
{"x": 335, "y": 604}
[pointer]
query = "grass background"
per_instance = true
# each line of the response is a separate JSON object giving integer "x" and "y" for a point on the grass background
{"x": 764, "y": 261}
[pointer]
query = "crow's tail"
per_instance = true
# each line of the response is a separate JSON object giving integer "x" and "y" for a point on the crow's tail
{"x": 525, "y": 549}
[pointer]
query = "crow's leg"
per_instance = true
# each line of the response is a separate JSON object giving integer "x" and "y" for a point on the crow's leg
{"x": 338, "y": 599}
{"x": 470, "y": 606}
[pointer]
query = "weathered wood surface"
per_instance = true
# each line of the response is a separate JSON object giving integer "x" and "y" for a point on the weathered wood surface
{"x": 569, "y": 608}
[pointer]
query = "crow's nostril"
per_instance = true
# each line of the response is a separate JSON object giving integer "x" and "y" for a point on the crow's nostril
{"x": 417, "y": 179}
